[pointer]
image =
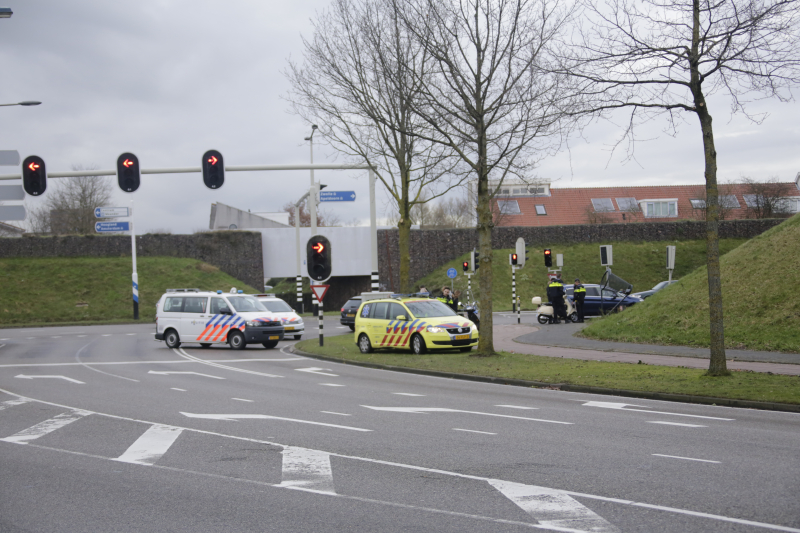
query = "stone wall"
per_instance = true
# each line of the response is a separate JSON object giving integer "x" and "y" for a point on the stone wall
{"x": 432, "y": 248}
{"x": 237, "y": 253}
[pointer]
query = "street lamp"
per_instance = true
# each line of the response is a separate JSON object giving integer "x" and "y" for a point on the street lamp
{"x": 312, "y": 203}
{"x": 5, "y": 12}
{"x": 26, "y": 102}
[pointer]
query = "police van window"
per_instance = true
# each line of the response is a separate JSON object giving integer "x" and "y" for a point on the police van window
{"x": 195, "y": 304}
{"x": 246, "y": 304}
{"x": 173, "y": 305}
{"x": 216, "y": 305}
{"x": 379, "y": 311}
{"x": 396, "y": 310}
{"x": 276, "y": 306}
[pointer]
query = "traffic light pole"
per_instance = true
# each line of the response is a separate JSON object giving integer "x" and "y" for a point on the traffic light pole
{"x": 469, "y": 288}
{"x": 321, "y": 323}
{"x": 135, "y": 276}
{"x": 514, "y": 305}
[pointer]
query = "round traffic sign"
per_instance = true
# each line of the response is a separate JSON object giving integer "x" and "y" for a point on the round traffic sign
{"x": 452, "y": 273}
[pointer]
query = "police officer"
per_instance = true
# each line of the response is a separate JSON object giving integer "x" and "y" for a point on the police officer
{"x": 579, "y": 294}
{"x": 450, "y": 299}
{"x": 555, "y": 293}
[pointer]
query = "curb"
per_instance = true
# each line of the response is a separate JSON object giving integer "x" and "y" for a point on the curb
{"x": 682, "y": 398}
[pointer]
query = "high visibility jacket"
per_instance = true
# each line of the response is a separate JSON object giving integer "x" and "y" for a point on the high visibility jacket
{"x": 452, "y": 303}
{"x": 579, "y": 292}
{"x": 555, "y": 291}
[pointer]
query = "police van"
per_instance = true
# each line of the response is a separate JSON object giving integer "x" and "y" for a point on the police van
{"x": 205, "y": 317}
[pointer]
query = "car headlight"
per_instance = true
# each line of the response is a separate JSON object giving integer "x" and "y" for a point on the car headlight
{"x": 473, "y": 329}
{"x": 434, "y": 329}
{"x": 252, "y": 324}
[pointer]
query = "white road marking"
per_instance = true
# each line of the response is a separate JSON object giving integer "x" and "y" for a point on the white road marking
{"x": 334, "y": 413}
{"x": 317, "y": 370}
{"x": 55, "y": 337}
{"x": 233, "y": 418}
{"x": 1, "y": 345}
{"x": 81, "y": 335}
{"x": 676, "y": 424}
{"x": 407, "y": 394}
{"x": 78, "y": 359}
{"x": 621, "y": 407}
{"x": 151, "y": 445}
{"x": 516, "y": 407}
{"x": 307, "y": 469}
{"x": 194, "y": 373}
{"x": 242, "y": 400}
{"x": 168, "y": 362}
{"x": 48, "y": 426}
{"x": 553, "y": 509}
{"x": 11, "y": 403}
{"x": 618, "y": 501}
{"x": 176, "y": 388}
{"x": 182, "y": 353}
{"x": 687, "y": 458}
{"x": 343, "y": 327}
{"x": 423, "y": 410}
{"x": 331, "y": 384}
{"x": 474, "y": 431}
{"x": 130, "y": 334}
{"x": 106, "y": 335}
{"x": 23, "y": 376}
{"x": 4, "y": 339}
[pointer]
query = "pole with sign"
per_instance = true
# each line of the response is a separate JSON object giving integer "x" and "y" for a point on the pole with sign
{"x": 121, "y": 227}
{"x": 135, "y": 276}
{"x": 452, "y": 273}
{"x": 319, "y": 292}
{"x": 337, "y": 196}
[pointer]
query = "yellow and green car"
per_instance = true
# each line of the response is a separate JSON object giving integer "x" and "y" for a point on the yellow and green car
{"x": 419, "y": 324}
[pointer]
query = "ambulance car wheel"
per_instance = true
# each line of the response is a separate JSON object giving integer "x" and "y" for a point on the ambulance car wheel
{"x": 363, "y": 344}
{"x": 298, "y": 337}
{"x": 269, "y": 345}
{"x": 205, "y": 344}
{"x": 418, "y": 344}
{"x": 236, "y": 340}
{"x": 172, "y": 339}
{"x": 543, "y": 319}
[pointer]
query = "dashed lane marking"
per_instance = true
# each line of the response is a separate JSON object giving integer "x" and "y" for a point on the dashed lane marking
{"x": 676, "y": 424}
{"x": 622, "y": 407}
{"x": 176, "y": 388}
{"x": 407, "y": 394}
{"x": 235, "y": 417}
{"x": 423, "y": 410}
{"x": 474, "y": 431}
{"x": 242, "y": 400}
{"x": 516, "y": 407}
{"x": 335, "y": 413}
{"x": 331, "y": 384}
{"x": 686, "y": 458}
{"x": 184, "y": 373}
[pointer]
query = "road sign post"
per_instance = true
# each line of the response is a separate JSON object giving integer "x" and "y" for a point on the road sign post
{"x": 452, "y": 273}
{"x": 112, "y": 227}
{"x": 111, "y": 212}
{"x": 337, "y": 196}
{"x": 319, "y": 292}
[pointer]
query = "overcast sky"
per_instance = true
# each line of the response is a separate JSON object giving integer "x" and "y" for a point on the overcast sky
{"x": 168, "y": 80}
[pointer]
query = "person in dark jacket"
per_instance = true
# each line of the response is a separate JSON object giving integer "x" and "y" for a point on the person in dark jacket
{"x": 450, "y": 299}
{"x": 578, "y": 295}
{"x": 555, "y": 293}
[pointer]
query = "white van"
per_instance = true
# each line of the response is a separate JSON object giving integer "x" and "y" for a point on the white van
{"x": 292, "y": 322}
{"x": 204, "y": 317}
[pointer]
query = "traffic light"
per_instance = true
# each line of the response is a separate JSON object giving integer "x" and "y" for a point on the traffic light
{"x": 465, "y": 265}
{"x": 318, "y": 258}
{"x": 213, "y": 169}
{"x": 548, "y": 258}
{"x": 34, "y": 175}
{"x": 129, "y": 177}
{"x": 514, "y": 259}
{"x": 473, "y": 259}
{"x": 526, "y": 257}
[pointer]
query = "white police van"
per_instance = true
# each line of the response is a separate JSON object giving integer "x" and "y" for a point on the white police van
{"x": 204, "y": 317}
{"x": 292, "y": 322}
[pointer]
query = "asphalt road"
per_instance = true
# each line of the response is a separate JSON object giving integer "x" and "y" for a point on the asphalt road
{"x": 104, "y": 429}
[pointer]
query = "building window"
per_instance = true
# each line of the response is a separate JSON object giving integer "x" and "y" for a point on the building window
{"x": 540, "y": 210}
{"x": 515, "y": 191}
{"x": 505, "y": 191}
{"x": 661, "y": 208}
{"x": 698, "y": 204}
{"x": 627, "y": 204}
{"x": 536, "y": 190}
{"x": 729, "y": 201}
{"x": 602, "y": 205}
{"x": 509, "y": 207}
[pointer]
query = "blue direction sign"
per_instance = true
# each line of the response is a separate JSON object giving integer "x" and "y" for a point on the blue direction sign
{"x": 337, "y": 196}
{"x": 110, "y": 227}
{"x": 110, "y": 212}
{"x": 452, "y": 273}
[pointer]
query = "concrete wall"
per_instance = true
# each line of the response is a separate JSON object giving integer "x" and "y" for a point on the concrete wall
{"x": 237, "y": 253}
{"x": 433, "y": 248}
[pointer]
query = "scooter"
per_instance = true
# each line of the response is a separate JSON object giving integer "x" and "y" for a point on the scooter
{"x": 472, "y": 313}
{"x": 547, "y": 313}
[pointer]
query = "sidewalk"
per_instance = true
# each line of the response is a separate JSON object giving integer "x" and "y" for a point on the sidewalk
{"x": 557, "y": 341}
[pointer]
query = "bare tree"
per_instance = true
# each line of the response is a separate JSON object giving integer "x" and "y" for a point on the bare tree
{"x": 767, "y": 199}
{"x": 490, "y": 99}
{"x": 323, "y": 218}
{"x": 68, "y": 207}
{"x": 727, "y": 201}
{"x": 594, "y": 216}
{"x": 668, "y": 56}
{"x": 361, "y": 74}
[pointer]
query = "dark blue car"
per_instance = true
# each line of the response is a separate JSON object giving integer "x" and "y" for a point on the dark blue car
{"x": 593, "y": 302}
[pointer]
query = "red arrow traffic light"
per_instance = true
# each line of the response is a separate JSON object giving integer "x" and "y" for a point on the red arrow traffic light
{"x": 33, "y": 166}
{"x": 213, "y": 160}
{"x": 318, "y": 247}
{"x": 127, "y": 163}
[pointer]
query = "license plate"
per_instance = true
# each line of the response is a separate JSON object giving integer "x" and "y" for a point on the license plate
{"x": 289, "y": 328}
{"x": 351, "y": 315}
{"x": 462, "y": 337}
{"x": 274, "y": 337}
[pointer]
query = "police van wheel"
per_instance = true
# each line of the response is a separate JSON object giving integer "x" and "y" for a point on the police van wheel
{"x": 543, "y": 319}
{"x": 269, "y": 345}
{"x": 236, "y": 340}
{"x": 418, "y": 344}
{"x": 205, "y": 344}
{"x": 363, "y": 344}
{"x": 172, "y": 339}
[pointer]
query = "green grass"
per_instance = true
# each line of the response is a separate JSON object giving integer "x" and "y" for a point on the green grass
{"x": 640, "y": 263}
{"x": 48, "y": 291}
{"x": 674, "y": 380}
{"x": 760, "y": 280}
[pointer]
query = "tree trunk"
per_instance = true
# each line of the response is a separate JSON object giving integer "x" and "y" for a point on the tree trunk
{"x": 404, "y": 245}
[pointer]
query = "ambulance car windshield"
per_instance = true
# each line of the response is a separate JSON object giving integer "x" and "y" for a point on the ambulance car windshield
{"x": 276, "y": 306}
{"x": 429, "y": 309}
{"x": 246, "y": 304}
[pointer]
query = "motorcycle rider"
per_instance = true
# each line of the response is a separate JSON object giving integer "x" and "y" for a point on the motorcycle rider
{"x": 579, "y": 294}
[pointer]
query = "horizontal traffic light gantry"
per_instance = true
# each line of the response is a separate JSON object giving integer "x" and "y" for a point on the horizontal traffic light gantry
{"x": 129, "y": 175}
{"x": 213, "y": 169}
{"x": 34, "y": 175}
{"x": 318, "y": 258}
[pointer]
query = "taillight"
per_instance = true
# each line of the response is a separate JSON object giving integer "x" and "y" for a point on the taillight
{"x": 342, "y": 309}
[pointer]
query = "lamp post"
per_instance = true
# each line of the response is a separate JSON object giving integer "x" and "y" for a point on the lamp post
{"x": 312, "y": 201}
{"x": 25, "y": 103}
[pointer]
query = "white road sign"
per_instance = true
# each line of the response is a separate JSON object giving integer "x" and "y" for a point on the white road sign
{"x": 9, "y": 158}
{"x": 11, "y": 192}
{"x": 110, "y": 212}
{"x": 12, "y": 212}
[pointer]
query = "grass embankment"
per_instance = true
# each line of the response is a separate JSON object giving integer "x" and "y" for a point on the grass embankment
{"x": 639, "y": 263}
{"x": 759, "y": 289}
{"x": 672, "y": 380}
{"x": 46, "y": 291}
